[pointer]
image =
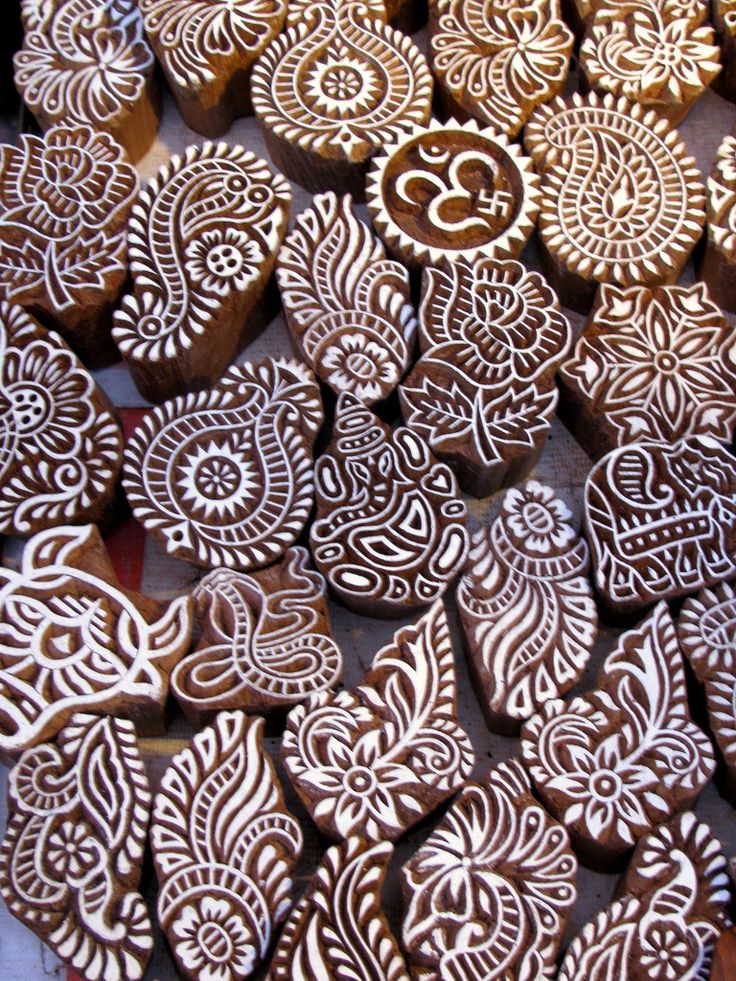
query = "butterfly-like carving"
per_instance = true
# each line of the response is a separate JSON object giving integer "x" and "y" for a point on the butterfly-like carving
{"x": 224, "y": 846}
{"x": 374, "y": 760}
{"x": 73, "y": 850}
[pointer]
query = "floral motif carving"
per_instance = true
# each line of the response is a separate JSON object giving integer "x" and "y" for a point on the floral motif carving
{"x": 661, "y": 520}
{"x": 72, "y": 638}
{"x": 73, "y": 850}
{"x": 194, "y": 287}
{"x": 453, "y": 192}
{"x": 717, "y": 267}
{"x": 224, "y": 846}
{"x": 526, "y": 606}
{"x": 641, "y": 50}
{"x": 489, "y": 892}
{"x": 673, "y": 907}
{"x": 483, "y": 393}
{"x": 266, "y": 640}
{"x": 338, "y": 926}
{"x": 88, "y": 61}
{"x": 374, "y": 760}
{"x": 496, "y": 59}
{"x": 652, "y": 364}
{"x": 225, "y": 477}
{"x": 61, "y": 447}
{"x": 706, "y": 630}
{"x": 347, "y": 306}
{"x": 390, "y": 530}
{"x": 615, "y": 762}
{"x": 622, "y": 201}
{"x": 64, "y": 204}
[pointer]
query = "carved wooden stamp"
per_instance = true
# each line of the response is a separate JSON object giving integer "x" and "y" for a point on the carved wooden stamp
{"x": 65, "y": 200}
{"x": 266, "y": 640}
{"x": 622, "y": 201}
{"x": 661, "y": 521}
{"x": 495, "y": 60}
{"x": 483, "y": 392}
{"x": 652, "y": 364}
{"x": 613, "y": 763}
{"x": 224, "y": 846}
{"x": 526, "y": 607}
{"x": 72, "y": 638}
{"x": 73, "y": 850}
{"x": 206, "y": 49}
{"x": 390, "y": 531}
{"x": 338, "y": 927}
{"x": 496, "y": 849}
{"x": 88, "y": 61}
{"x": 705, "y": 629}
{"x": 347, "y": 306}
{"x": 673, "y": 905}
{"x": 724, "y": 21}
{"x": 202, "y": 240}
{"x": 225, "y": 477}
{"x": 446, "y": 192}
{"x": 650, "y": 54}
{"x": 61, "y": 447}
{"x": 718, "y": 267}
{"x": 334, "y": 88}
{"x": 374, "y": 760}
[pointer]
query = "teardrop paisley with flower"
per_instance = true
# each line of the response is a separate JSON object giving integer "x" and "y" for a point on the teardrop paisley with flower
{"x": 489, "y": 892}
{"x": 347, "y": 305}
{"x": 60, "y": 445}
{"x": 390, "y": 530}
{"x": 73, "y": 850}
{"x": 203, "y": 238}
{"x": 622, "y": 201}
{"x": 615, "y": 762}
{"x": 266, "y": 640}
{"x": 526, "y": 606}
{"x": 338, "y": 929}
{"x": 483, "y": 392}
{"x": 224, "y": 847}
{"x": 376, "y": 759}
{"x": 674, "y": 905}
{"x": 225, "y": 477}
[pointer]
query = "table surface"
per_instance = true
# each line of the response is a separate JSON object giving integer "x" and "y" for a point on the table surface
{"x": 563, "y": 465}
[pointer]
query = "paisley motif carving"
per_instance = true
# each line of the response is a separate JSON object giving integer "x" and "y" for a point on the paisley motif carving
{"x": 652, "y": 364}
{"x": 72, "y": 854}
{"x": 338, "y": 929}
{"x": 661, "y": 520}
{"x": 390, "y": 530}
{"x": 489, "y": 892}
{"x": 225, "y": 477}
{"x": 376, "y": 759}
{"x": 622, "y": 201}
{"x": 706, "y": 629}
{"x": 442, "y": 193}
{"x": 88, "y": 61}
{"x": 526, "y": 606}
{"x": 615, "y": 762}
{"x": 673, "y": 907}
{"x": 336, "y": 86}
{"x": 202, "y": 240}
{"x": 640, "y": 50}
{"x": 496, "y": 60}
{"x": 206, "y": 48}
{"x": 64, "y": 204}
{"x": 60, "y": 445}
{"x": 483, "y": 393}
{"x": 347, "y": 306}
{"x": 71, "y": 638}
{"x": 224, "y": 846}
{"x": 266, "y": 640}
